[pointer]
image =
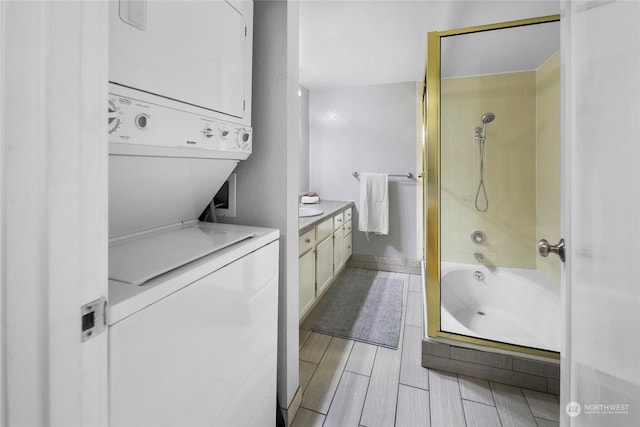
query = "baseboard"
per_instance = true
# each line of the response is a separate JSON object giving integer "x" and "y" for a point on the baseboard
{"x": 374, "y": 262}
{"x": 290, "y": 413}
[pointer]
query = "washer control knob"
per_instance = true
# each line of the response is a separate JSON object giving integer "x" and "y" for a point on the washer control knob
{"x": 224, "y": 133}
{"x": 114, "y": 117}
{"x": 242, "y": 139}
{"x": 208, "y": 132}
{"x": 142, "y": 121}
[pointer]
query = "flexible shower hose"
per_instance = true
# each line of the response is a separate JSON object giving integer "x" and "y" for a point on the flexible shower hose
{"x": 481, "y": 184}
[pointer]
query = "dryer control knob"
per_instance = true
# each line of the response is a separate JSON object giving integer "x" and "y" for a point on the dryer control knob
{"x": 224, "y": 133}
{"x": 243, "y": 138}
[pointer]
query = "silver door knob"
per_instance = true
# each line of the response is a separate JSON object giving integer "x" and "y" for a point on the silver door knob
{"x": 545, "y": 248}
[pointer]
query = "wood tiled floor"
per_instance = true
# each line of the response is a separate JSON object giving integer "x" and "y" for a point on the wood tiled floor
{"x": 348, "y": 383}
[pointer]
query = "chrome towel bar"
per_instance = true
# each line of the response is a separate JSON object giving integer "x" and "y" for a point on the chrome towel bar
{"x": 408, "y": 175}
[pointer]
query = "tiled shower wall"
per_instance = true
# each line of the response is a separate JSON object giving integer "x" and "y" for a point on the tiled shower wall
{"x": 522, "y": 167}
{"x": 509, "y": 166}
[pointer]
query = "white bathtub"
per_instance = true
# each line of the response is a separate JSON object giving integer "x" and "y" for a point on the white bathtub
{"x": 511, "y": 305}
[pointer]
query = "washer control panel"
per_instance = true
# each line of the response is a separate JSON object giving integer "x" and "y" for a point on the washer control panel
{"x": 135, "y": 125}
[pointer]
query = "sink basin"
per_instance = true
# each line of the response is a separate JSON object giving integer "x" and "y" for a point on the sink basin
{"x": 304, "y": 212}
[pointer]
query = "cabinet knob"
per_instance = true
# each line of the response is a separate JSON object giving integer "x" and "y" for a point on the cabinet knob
{"x": 308, "y": 240}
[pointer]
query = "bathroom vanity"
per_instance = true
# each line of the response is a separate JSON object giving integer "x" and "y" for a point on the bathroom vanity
{"x": 324, "y": 246}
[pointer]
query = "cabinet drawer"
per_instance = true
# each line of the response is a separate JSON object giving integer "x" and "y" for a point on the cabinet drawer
{"x": 338, "y": 221}
{"x": 306, "y": 241}
{"x": 347, "y": 227}
{"x": 324, "y": 230}
{"x": 347, "y": 215}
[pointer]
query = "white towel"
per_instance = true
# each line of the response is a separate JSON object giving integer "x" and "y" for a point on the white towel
{"x": 374, "y": 203}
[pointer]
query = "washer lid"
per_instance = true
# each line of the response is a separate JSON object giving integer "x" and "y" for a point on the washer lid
{"x": 146, "y": 193}
{"x": 139, "y": 259}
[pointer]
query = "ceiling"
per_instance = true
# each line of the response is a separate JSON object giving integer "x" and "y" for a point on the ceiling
{"x": 371, "y": 42}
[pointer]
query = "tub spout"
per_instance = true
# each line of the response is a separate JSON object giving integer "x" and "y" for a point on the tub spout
{"x": 479, "y": 257}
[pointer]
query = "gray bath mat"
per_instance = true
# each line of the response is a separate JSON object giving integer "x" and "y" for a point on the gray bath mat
{"x": 363, "y": 308}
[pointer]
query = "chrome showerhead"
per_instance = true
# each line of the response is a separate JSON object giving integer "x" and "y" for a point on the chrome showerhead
{"x": 488, "y": 117}
{"x": 482, "y": 131}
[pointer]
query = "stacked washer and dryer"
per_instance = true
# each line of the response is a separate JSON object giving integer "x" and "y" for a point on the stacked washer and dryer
{"x": 192, "y": 305}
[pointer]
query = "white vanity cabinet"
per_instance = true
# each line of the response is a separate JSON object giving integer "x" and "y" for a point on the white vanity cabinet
{"x": 323, "y": 252}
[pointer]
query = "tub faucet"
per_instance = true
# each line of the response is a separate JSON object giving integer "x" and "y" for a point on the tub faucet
{"x": 479, "y": 257}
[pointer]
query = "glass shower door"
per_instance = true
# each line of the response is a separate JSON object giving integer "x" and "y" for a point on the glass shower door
{"x": 499, "y": 192}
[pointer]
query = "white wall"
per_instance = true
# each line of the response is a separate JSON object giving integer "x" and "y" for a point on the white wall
{"x": 267, "y": 183}
{"x": 367, "y": 129}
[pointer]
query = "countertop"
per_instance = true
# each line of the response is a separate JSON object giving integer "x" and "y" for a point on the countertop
{"x": 328, "y": 208}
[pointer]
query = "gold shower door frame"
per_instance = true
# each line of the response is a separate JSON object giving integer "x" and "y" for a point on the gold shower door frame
{"x": 431, "y": 123}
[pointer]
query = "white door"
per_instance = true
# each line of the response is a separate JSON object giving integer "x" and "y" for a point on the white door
{"x": 601, "y": 213}
{"x": 53, "y": 160}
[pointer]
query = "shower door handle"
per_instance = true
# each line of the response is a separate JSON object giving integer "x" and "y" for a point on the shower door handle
{"x": 545, "y": 248}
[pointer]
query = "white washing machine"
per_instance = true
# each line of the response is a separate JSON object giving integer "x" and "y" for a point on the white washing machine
{"x": 192, "y": 306}
{"x": 195, "y": 346}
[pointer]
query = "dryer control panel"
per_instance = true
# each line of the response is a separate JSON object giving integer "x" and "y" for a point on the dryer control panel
{"x": 139, "y": 127}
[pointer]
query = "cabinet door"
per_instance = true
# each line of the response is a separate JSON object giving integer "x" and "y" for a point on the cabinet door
{"x": 348, "y": 250}
{"x": 307, "y": 271}
{"x": 324, "y": 264}
{"x": 338, "y": 250}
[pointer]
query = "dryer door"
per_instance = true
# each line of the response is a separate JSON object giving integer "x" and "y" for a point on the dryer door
{"x": 192, "y": 52}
